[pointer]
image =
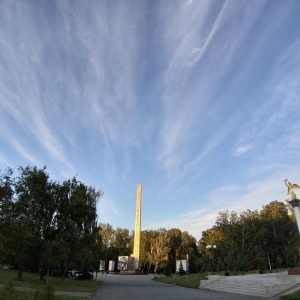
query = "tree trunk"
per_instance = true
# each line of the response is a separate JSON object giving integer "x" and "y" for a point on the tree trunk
{"x": 42, "y": 274}
{"x": 20, "y": 272}
{"x": 48, "y": 270}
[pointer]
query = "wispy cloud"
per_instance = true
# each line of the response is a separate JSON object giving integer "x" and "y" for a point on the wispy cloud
{"x": 199, "y": 100}
{"x": 233, "y": 198}
{"x": 242, "y": 149}
{"x": 190, "y": 100}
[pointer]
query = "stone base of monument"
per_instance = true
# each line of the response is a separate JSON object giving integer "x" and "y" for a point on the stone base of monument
{"x": 128, "y": 265}
{"x": 127, "y": 272}
{"x": 136, "y": 272}
{"x": 295, "y": 271}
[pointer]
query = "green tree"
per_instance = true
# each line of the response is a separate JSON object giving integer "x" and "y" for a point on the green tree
{"x": 6, "y": 212}
{"x": 33, "y": 209}
{"x": 122, "y": 239}
{"x": 188, "y": 245}
{"x": 108, "y": 249}
{"x": 174, "y": 236}
{"x": 159, "y": 249}
{"x": 193, "y": 265}
{"x": 278, "y": 234}
{"x": 76, "y": 223}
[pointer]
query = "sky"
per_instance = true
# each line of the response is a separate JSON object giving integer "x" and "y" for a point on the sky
{"x": 198, "y": 101}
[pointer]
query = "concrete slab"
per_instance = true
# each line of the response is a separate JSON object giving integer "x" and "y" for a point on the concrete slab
{"x": 264, "y": 285}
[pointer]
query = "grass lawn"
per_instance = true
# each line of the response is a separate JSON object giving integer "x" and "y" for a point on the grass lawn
{"x": 190, "y": 281}
{"x": 32, "y": 280}
{"x": 25, "y": 296}
{"x": 193, "y": 281}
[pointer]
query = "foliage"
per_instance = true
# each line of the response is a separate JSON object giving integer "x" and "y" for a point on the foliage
{"x": 193, "y": 266}
{"x": 294, "y": 296}
{"x": 7, "y": 291}
{"x": 115, "y": 242}
{"x": 47, "y": 224}
{"x": 168, "y": 269}
{"x": 252, "y": 240}
{"x": 181, "y": 270}
{"x": 159, "y": 249}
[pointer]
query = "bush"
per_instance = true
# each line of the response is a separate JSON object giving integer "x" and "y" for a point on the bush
{"x": 45, "y": 294}
{"x": 7, "y": 291}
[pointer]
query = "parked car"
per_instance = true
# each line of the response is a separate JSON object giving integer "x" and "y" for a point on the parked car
{"x": 83, "y": 275}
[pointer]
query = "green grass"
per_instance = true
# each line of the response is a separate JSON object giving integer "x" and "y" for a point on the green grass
{"x": 190, "y": 281}
{"x": 32, "y": 280}
{"x": 295, "y": 296}
{"x": 24, "y": 296}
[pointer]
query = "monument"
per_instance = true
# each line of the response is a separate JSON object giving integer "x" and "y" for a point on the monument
{"x": 295, "y": 204}
{"x": 294, "y": 201}
{"x": 130, "y": 264}
{"x": 137, "y": 227}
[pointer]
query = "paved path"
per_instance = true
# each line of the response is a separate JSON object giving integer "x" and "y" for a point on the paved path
{"x": 142, "y": 287}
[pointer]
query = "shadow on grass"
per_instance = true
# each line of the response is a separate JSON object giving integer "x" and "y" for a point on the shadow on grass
{"x": 32, "y": 280}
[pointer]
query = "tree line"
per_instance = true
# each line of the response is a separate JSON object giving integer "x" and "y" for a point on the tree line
{"x": 46, "y": 225}
{"x": 50, "y": 226}
{"x": 159, "y": 248}
{"x": 253, "y": 240}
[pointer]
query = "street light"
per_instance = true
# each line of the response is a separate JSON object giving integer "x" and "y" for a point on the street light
{"x": 210, "y": 249}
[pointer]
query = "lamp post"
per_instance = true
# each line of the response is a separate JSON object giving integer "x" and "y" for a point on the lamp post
{"x": 210, "y": 249}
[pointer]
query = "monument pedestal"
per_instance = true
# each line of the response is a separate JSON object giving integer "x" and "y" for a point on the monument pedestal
{"x": 295, "y": 271}
{"x": 295, "y": 204}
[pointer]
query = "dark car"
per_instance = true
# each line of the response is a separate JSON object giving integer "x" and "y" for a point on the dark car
{"x": 83, "y": 275}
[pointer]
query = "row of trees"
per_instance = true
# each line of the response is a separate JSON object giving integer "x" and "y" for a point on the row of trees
{"x": 253, "y": 240}
{"x": 44, "y": 223}
{"x": 159, "y": 248}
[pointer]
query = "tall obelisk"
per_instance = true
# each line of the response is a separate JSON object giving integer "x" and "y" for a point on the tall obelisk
{"x": 137, "y": 228}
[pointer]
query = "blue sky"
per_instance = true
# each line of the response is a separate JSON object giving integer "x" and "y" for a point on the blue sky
{"x": 196, "y": 100}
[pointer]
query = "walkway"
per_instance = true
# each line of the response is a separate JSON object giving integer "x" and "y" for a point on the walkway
{"x": 142, "y": 287}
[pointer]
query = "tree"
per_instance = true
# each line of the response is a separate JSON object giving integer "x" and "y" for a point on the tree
{"x": 34, "y": 211}
{"x": 6, "y": 210}
{"x": 193, "y": 265}
{"x": 279, "y": 231}
{"x": 122, "y": 239}
{"x": 107, "y": 233}
{"x": 188, "y": 245}
{"x": 45, "y": 223}
{"x": 76, "y": 223}
{"x": 253, "y": 240}
{"x": 159, "y": 249}
{"x": 147, "y": 236}
{"x": 174, "y": 236}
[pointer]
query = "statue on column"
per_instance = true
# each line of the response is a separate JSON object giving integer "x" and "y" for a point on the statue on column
{"x": 291, "y": 188}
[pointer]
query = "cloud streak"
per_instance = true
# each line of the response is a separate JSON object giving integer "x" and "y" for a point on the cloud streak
{"x": 198, "y": 101}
